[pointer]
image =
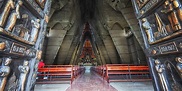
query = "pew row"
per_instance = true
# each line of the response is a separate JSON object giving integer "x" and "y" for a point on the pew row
{"x": 123, "y": 72}
{"x": 58, "y": 73}
{"x": 99, "y": 70}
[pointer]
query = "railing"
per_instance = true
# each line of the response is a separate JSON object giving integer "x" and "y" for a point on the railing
{"x": 58, "y": 73}
{"x": 123, "y": 72}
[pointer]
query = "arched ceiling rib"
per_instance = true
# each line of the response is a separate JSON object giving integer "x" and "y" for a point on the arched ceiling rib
{"x": 108, "y": 20}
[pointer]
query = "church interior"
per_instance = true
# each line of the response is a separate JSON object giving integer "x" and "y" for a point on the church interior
{"x": 90, "y": 45}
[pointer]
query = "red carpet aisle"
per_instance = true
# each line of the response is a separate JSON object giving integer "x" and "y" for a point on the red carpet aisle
{"x": 90, "y": 82}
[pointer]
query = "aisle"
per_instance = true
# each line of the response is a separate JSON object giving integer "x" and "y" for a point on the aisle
{"x": 90, "y": 82}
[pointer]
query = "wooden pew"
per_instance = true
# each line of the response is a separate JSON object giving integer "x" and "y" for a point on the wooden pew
{"x": 56, "y": 66}
{"x": 55, "y": 73}
{"x": 104, "y": 68}
{"x": 126, "y": 72}
{"x": 78, "y": 70}
{"x": 98, "y": 70}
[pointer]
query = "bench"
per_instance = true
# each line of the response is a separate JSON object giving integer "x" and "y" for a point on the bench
{"x": 101, "y": 70}
{"x": 98, "y": 69}
{"x": 78, "y": 70}
{"x": 126, "y": 72}
{"x": 55, "y": 73}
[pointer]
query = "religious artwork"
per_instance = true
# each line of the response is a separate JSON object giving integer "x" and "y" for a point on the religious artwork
{"x": 1, "y": 3}
{"x": 26, "y": 27}
{"x": 173, "y": 76}
{"x": 141, "y": 3}
{"x": 164, "y": 23}
{"x": 21, "y": 21}
{"x": 14, "y": 16}
{"x": 160, "y": 26}
{"x": 36, "y": 5}
{"x": 143, "y": 6}
{"x": 39, "y": 55}
{"x": 4, "y": 72}
{"x": 147, "y": 27}
{"x": 7, "y": 46}
{"x": 174, "y": 12}
{"x": 23, "y": 28}
{"x": 161, "y": 73}
{"x": 34, "y": 76}
{"x": 12, "y": 83}
{"x": 35, "y": 29}
{"x": 0, "y": 61}
{"x": 160, "y": 22}
{"x": 24, "y": 70}
{"x": 41, "y": 3}
{"x": 2, "y": 45}
{"x": 87, "y": 56}
{"x": 3, "y": 17}
{"x": 179, "y": 65}
{"x": 46, "y": 17}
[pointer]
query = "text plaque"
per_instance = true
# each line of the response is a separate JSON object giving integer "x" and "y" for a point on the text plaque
{"x": 18, "y": 49}
{"x": 168, "y": 48}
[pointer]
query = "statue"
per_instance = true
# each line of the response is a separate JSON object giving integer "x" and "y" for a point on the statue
{"x": 2, "y": 45}
{"x": 41, "y": 3}
{"x": 179, "y": 65}
{"x": 141, "y": 3}
{"x": 161, "y": 26}
{"x": 12, "y": 83}
{"x": 35, "y": 30}
{"x": 4, "y": 72}
{"x": 39, "y": 55}
{"x": 26, "y": 25}
{"x": 178, "y": 7}
{"x": 175, "y": 85}
{"x": 161, "y": 73}
{"x": 3, "y": 17}
{"x": 170, "y": 6}
{"x": 0, "y": 61}
{"x": 14, "y": 16}
{"x": 24, "y": 69}
{"x": 148, "y": 30}
{"x": 1, "y": 3}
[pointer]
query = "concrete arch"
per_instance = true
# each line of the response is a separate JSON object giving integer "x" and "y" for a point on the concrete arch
{"x": 57, "y": 26}
{"x": 116, "y": 26}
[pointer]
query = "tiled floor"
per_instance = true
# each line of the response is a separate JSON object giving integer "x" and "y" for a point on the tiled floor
{"x": 133, "y": 86}
{"x": 92, "y": 82}
{"x": 51, "y": 87}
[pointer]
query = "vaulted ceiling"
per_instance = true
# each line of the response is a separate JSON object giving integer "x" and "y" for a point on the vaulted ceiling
{"x": 108, "y": 19}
